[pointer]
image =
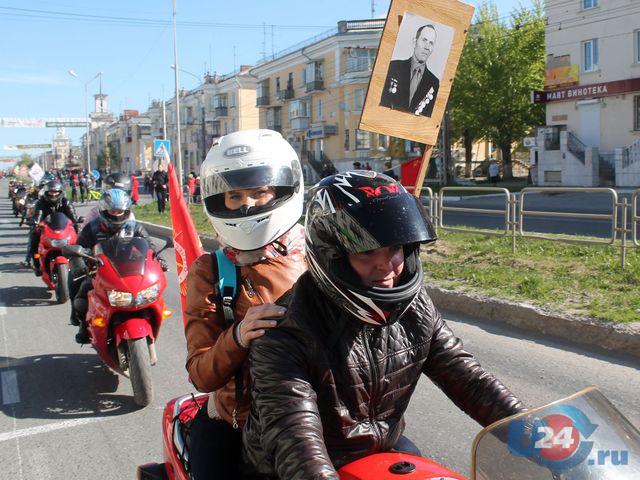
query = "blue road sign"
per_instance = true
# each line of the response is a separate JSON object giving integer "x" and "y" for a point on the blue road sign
{"x": 157, "y": 147}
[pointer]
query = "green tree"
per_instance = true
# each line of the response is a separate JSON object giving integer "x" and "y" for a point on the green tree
{"x": 503, "y": 62}
{"x": 25, "y": 159}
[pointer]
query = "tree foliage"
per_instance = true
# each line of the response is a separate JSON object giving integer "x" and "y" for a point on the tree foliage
{"x": 502, "y": 63}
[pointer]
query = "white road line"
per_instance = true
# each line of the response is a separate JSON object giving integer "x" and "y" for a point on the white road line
{"x": 50, "y": 427}
{"x": 10, "y": 391}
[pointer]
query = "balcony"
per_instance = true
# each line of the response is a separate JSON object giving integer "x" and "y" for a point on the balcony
{"x": 299, "y": 123}
{"x": 315, "y": 86}
{"x": 263, "y": 101}
{"x": 220, "y": 112}
{"x": 276, "y": 127}
{"x": 285, "y": 94}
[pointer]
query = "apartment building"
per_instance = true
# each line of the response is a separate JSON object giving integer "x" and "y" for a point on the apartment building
{"x": 592, "y": 94}
{"x": 313, "y": 94}
{"x": 127, "y": 145}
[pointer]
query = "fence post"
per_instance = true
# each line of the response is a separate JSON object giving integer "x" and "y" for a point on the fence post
{"x": 513, "y": 221}
{"x": 624, "y": 230}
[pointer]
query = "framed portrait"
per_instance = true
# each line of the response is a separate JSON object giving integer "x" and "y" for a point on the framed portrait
{"x": 415, "y": 67}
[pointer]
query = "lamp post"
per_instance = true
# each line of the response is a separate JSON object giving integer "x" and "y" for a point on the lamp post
{"x": 86, "y": 110}
{"x": 197, "y": 78}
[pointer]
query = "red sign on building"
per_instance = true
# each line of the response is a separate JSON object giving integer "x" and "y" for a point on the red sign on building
{"x": 587, "y": 91}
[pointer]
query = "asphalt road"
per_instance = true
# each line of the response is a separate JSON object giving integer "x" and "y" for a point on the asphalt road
{"x": 573, "y": 202}
{"x": 63, "y": 415}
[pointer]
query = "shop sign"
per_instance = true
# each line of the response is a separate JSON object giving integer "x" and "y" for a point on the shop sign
{"x": 587, "y": 91}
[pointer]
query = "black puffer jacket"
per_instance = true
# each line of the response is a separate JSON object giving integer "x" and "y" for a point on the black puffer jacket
{"x": 328, "y": 389}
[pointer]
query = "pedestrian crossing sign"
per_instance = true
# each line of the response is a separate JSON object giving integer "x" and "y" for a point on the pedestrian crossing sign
{"x": 157, "y": 147}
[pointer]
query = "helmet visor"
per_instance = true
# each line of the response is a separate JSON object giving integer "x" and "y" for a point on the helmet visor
{"x": 398, "y": 220}
{"x": 282, "y": 178}
{"x": 53, "y": 194}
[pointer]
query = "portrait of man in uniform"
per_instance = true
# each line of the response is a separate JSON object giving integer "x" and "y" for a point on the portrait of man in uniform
{"x": 411, "y": 85}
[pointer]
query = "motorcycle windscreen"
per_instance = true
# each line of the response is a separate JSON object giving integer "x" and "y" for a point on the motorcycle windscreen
{"x": 580, "y": 437}
{"x": 128, "y": 257}
{"x": 57, "y": 221}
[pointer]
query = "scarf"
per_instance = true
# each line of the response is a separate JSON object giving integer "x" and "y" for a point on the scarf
{"x": 290, "y": 243}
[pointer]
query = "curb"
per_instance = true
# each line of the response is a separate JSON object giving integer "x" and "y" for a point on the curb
{"x": 582, "y": 330}
{"x": 155, "y": 230}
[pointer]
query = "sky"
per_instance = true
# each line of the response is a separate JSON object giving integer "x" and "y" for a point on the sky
{"x": 131, "y": 43}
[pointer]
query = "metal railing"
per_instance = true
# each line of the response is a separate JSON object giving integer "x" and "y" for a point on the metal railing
{"x": 576, "y": 147}
{"x": 515, "y": 213}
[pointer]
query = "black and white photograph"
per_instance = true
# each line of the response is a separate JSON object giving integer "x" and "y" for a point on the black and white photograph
{"x": 418, "y": 61}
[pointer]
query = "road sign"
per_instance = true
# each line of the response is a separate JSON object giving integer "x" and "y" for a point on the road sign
{"x": 157, "y": 148}
{"x": 36, "y": 172}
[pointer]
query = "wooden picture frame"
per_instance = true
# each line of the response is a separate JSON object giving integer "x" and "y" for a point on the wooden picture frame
{"x": 390, "y": 108}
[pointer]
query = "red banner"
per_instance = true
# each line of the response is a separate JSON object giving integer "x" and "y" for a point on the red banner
{"x": 185, "y": 237}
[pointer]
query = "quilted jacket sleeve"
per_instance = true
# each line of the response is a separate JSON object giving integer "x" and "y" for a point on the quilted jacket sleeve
{"x": 287, "y": 409}
{"x": 213, "y": 356}
{"x": 459, "y": 375}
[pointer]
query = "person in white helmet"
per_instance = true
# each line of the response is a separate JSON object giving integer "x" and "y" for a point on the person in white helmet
{"x": 252, "y": 191}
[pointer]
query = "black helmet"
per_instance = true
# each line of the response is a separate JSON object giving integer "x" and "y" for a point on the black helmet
{"x": 53, "y": 192}
{"x": 356, "y": 212}
{"x": 117, "y": 180}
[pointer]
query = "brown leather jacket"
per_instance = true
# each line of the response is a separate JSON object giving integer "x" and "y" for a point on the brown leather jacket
{"x": 214, "y": 356}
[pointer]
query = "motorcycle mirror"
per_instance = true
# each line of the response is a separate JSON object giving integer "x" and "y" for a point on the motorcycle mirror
{"x": 168, "y": 244}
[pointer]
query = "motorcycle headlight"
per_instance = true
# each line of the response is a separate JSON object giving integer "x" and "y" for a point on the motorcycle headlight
{"x": 148, "y": 295}
{"x": 120, "y": 299}
{"x": 59, "y": 242}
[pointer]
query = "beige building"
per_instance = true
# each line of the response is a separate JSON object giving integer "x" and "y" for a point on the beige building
{"x": 128, "y": 143}
{"x": 314, "y": 94}
{"x": 220, "y": 105}
{"x": 592, "y": 94}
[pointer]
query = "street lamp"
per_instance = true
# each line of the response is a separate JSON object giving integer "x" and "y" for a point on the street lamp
{"x": 186, "y": 71}
{"x": 86, "y": 109}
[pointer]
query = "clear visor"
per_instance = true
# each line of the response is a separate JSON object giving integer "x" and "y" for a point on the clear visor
{"x": 252, "y": 177}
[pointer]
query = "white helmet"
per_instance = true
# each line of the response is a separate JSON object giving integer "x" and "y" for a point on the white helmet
{"x": 252, "y": 159}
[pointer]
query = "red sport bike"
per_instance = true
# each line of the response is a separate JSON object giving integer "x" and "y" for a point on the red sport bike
{"x": 581, "y": 437}
{"x": 57, "y": 231}
{"x": 126, "y": 308}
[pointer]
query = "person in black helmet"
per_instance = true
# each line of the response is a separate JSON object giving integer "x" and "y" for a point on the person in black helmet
{"x": 51, "y": 201}
{"x": 331, "y": 383}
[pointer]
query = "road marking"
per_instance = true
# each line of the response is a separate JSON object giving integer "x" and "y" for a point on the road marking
{"x": 10, "y": 391}
{"x": 50, "y": 427}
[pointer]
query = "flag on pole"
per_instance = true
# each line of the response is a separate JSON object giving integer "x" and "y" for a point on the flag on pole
{"x": 186, "y": 241}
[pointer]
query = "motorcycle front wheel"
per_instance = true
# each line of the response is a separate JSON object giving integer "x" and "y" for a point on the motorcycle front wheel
{"x": 140, "y": 371}
{"x": 62, "y": 282}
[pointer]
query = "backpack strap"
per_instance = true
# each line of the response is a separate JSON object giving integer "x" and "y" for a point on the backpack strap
{"x": 227, "y": 284}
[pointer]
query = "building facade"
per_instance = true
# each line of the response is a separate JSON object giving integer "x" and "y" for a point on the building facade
{"x": 592, "y": 94}
{"x": 314, "y": 95}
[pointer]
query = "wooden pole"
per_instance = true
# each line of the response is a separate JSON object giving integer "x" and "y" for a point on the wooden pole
{"x": 424, "y": 165}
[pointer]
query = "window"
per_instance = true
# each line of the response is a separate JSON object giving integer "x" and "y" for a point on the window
{"x": 313, "y": 72}
{"x": 220, "y": 101}
{"x": 383, "y": 141}
{"x": 358, "y": 99}
{"x": 274, "y": 117}
{"x": 277, "y": 84}
{"x": 360, "y": 59}
{"x": 590, "y": 55}
{"x": 263, "y": 89}
{"x": 346, "y": 140}
{"x": 636, "y": 112}
{"x": 298, "y": 108}
{"x": 636, "y": 38}
{"x": 232, "y": 100}
{"x": 319, "y": 109}
{"x": 290, "y": 81}
{"x": 363, "y": 140}
{"x": 587, "y": 4}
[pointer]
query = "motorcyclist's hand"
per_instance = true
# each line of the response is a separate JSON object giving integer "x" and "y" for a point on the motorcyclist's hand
{"x": 163, "y": 264}
{"x": 253, "y": 324}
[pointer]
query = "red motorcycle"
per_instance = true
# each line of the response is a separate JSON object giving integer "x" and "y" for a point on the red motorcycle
{"x": 57, "y": 231}
{"x": 581, "y": 437}
{"x": 126, "y": 308}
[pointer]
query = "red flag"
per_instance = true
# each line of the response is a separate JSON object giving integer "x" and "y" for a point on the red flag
{"x": 186, "y": 241}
